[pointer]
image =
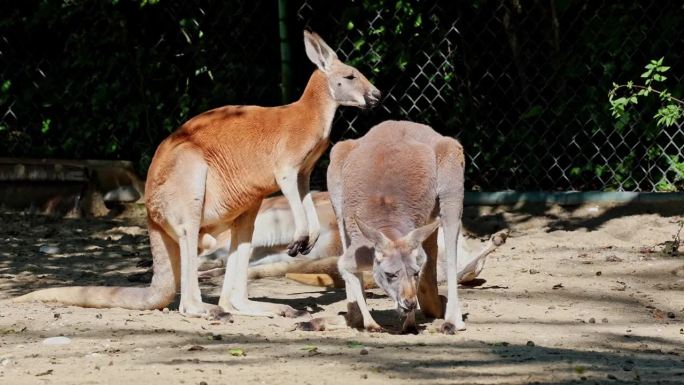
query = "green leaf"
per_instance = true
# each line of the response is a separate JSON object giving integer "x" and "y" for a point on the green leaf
{"x": 535, "y": 110}
{"x": 45, "y": 126}
{"x": 646, "y": 74}
{"x": 236, "y": 352}
{"x": 310, "y": 349}
{"x": 354, "y": 345}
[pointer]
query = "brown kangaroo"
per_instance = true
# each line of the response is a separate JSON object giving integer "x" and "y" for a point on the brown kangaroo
{"x": 387, "y": 189}
{"x": 206, "y": 183}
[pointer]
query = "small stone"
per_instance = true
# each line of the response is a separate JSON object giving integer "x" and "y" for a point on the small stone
{"x": 598, "y": 273}
{"x": 195, "y": 348}
{"x": 530, "y": 343}
{"x": 165, "y": 310}
{"x": 203, "y": 383}
{"x": 670, "y": 315}
{"x": 216, "y": 337}
{"x": 612, "y": 377}
{"x": 364, "y": 351}
{"x": 57, "y": 341}
{"x": 98, "y": 316}
{"x": 534, "y": 271}
{"x": 56, "y": 315}
{"x": 605, "y": 320}
{"x": 364, "y": 376}
{"x": 47, "y": 249}
{"x": 592, "y": 320}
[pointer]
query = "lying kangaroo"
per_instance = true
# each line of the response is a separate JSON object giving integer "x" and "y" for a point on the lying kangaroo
{"x": 387, "y": 189}
{"x": 206, "y": 183}
{"x": 273, "y": 231}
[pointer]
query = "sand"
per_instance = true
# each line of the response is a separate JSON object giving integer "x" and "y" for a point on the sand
{"x": 576, "y": 295}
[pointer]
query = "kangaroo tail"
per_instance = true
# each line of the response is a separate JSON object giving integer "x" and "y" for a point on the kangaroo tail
{"x": 160, "y": 293}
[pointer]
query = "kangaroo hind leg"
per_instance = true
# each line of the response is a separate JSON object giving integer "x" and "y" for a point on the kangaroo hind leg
{"x": 183, "y": 220}
{"x": 234, "y": 292}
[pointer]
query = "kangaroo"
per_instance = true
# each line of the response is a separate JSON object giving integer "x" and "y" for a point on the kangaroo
{"x": 206, "y": 183}
{"x": 274, "y": 229}
{"x": 387, "y": 189}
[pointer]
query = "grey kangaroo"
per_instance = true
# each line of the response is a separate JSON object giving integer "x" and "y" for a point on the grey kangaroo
{"x": 390, "y": 190}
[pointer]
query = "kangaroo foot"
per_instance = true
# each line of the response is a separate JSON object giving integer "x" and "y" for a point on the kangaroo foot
{"x": 450, "y": 328}
{"x": 198, "y": 309}
{"x": 260, "y": 309}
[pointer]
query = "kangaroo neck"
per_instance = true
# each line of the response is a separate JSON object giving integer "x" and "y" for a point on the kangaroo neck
{"x": 317, "y": 102}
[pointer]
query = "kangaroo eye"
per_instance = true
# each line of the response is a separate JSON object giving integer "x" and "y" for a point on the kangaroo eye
{"x": 350, "y": 77}
{"x": 390, "y": 276}
{"x": 416, "y": 274}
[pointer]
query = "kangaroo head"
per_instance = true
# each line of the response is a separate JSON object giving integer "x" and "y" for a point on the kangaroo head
{"x": 397, "y": 264}
{"x": 347, "y": 85}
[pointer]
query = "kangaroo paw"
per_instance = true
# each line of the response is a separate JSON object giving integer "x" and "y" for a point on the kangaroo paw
{"x": 298, "y": 246}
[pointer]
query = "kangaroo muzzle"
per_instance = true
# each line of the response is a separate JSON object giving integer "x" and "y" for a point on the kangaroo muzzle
{"x": 372, "y": 98}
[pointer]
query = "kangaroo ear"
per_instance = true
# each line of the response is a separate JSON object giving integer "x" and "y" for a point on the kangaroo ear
{"x": 417, "y": 236}
{"x": 318, "y": 51}
{"x": 379, "y": 240}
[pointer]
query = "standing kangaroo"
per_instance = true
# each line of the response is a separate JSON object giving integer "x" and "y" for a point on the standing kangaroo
{"x": 387, "y": 189}
{"x": 206, "y": 183}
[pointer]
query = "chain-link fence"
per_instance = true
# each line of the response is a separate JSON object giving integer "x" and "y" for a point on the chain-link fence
{"x": 110, "y": 79}
{"x": 522, "y": 84}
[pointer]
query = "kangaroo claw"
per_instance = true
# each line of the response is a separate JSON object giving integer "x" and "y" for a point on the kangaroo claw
{"x": 301, "y": 245}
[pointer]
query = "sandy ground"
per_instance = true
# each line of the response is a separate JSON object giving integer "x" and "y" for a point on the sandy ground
{"x": 576, "y": 295}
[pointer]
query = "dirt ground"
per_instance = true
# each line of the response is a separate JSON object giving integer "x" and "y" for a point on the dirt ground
{"x": 576, "y": 295}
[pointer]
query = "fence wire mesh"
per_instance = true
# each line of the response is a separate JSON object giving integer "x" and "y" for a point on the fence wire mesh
{"x": 522, "y": 84}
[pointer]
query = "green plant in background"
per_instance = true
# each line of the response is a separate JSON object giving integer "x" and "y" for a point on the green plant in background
{"x": 670, "y": 112}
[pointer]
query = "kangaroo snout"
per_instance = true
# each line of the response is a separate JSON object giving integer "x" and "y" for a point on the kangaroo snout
{"x": 372, "y": 98}
{"x": 408, "y": 305}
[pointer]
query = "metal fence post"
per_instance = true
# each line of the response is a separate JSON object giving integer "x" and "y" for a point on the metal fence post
{"x": 285, "y": 61}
